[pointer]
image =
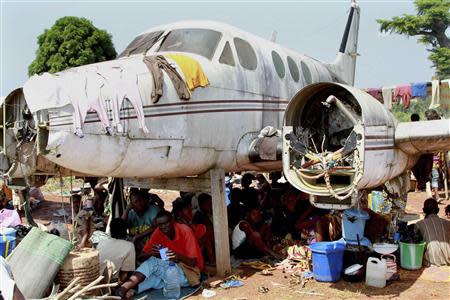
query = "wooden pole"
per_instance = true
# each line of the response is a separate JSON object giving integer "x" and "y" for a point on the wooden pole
{"x": 445, "y": 173}
{"x": 220, "y": 222}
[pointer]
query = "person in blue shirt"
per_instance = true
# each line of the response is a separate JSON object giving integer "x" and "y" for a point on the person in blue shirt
{"x": 139, "y": 216}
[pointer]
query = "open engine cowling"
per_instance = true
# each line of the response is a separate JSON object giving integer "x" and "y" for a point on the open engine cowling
{"x": 338, "y": 139}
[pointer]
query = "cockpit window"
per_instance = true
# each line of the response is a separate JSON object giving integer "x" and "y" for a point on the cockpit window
{"x": 227, "y": 55}
{"x": 142, "y": 43}
{"x": 199, "y": 41}
{"x": 246, "y": 54}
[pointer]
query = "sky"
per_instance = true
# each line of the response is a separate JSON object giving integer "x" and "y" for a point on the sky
{"x": 310, "y": 27}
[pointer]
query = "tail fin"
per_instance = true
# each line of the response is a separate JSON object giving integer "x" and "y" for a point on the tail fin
{"x": 344, "y": 65}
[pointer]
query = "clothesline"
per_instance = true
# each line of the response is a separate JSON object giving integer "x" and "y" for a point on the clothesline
{"x": 439, "y": 90}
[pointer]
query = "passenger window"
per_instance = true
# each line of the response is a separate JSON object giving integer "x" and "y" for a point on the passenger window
{"x": 306, "y": 72}
{"x": 278, "y": 63}
{"x": 227, "y": 55}
{"x": 293, "y": 69}
{"x": 246, "y": 54}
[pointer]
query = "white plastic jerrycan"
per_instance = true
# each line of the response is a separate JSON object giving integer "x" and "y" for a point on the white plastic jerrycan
{"x": 376, "y": 272}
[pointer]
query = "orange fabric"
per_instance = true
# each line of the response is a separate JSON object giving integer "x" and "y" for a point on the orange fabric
{"x": 7, "y": 191}
{"x": 184, "y": 243}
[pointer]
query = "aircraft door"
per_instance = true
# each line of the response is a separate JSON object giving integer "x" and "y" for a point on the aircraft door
{"x": 273, "y": 89}
{"x": 249, "y": 69}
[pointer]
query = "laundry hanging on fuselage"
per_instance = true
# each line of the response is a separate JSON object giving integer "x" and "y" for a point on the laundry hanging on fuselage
{"x": 192, "y": 70}
{"x": 120, "y": 85}
{"x": 157, "y": 63}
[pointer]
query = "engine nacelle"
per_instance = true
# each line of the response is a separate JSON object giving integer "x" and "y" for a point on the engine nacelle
{"x": 337, "y": 140}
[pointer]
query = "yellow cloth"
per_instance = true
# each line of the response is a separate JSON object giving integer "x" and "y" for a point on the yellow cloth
{"x": 192, "y": 70}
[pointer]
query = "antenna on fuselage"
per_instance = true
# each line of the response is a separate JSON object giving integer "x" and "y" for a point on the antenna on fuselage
{"x": 273, "y": 36}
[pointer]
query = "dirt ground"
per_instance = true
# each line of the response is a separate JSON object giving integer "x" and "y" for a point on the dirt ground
{"x": 429, "y": 283}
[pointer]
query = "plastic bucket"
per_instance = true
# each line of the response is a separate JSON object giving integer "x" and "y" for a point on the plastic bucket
{"x": 327, "y": 260}
{"x": 7, "y": 231}
{"x": 353, "y": 223}
{"x": 411, "y": 255}
{"x": 7, "y": 244}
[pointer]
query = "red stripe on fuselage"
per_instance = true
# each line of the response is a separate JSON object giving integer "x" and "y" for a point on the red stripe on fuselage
{"x": 185, "y": 113}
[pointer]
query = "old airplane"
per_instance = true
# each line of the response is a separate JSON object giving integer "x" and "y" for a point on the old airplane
{"x": 227, "y": 99}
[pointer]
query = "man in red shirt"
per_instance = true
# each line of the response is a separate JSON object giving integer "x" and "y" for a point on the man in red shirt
{"x": 183, "y": 249}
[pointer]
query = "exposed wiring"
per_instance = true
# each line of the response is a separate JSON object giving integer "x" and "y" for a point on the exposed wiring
{"x": 358, "y": 171}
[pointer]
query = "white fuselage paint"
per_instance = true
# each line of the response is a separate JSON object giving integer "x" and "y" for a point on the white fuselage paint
{"x": 185, "y": 137}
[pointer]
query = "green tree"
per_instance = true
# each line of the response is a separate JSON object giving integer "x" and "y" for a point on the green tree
{"x": 71, "y": 42}
{"x": 430, "y": 24}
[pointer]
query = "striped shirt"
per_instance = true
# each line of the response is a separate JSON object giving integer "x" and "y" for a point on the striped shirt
{"x": 436, "y": 233}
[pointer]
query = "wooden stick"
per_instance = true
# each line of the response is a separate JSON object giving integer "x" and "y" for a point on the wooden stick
{"x": 75, "y": 288}
{"x": 86, "y": 288}
{"x": 445, "y": 173}
{"x": 108, "y": 297}
{"x": 69, "y": 287}
{"x": 100, "y": 286}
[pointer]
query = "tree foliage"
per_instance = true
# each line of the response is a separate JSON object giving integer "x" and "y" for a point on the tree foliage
{"x": 430, "y": 24}
{"x": 71, "y": 42}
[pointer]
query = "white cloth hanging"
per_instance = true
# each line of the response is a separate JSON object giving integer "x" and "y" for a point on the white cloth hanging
{"x": 435, "y": 94}
{"x": 120, "y": 85}
{"x": 387, "y": 96}
{"x": 43, "y": 92}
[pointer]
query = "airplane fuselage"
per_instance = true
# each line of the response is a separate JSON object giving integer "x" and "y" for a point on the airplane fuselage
{"x": 188, "y": 137}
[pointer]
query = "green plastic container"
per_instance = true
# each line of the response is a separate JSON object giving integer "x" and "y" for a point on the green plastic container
{"x": 411, "y": 255}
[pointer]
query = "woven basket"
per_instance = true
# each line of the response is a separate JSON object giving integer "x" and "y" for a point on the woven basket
{"x": 83, "y": 263}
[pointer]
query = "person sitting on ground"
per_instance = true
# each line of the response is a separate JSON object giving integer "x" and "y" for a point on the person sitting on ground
{"x": 251, "y": 238}
{"x": 263, "y": 190}
{"x": 139, "y": 216}
{"x": 204, "y": 216}
{"x": 182, "y": 248}
{"x": 116, "y": 252}
{"x": 204, "y": 213}
{"x": 83, "y": 224}
{"x": 8, "y": 192}
{"x": 285, "y": 215}
{"x": 182, "y": 212}
{"x": 415, "y": 117}
{"x": 236, "y": 209}
{"x": 275, "y": 177}
{"x": 101, "y": 195}
{"x": 4, "y": 202}
{"x": 36, "y": 193}
{"x": 249, "y": 194}
{"x": 155, "y": 200}
{"x": 312, "y": 223}
{"x": 436, "y": 232}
